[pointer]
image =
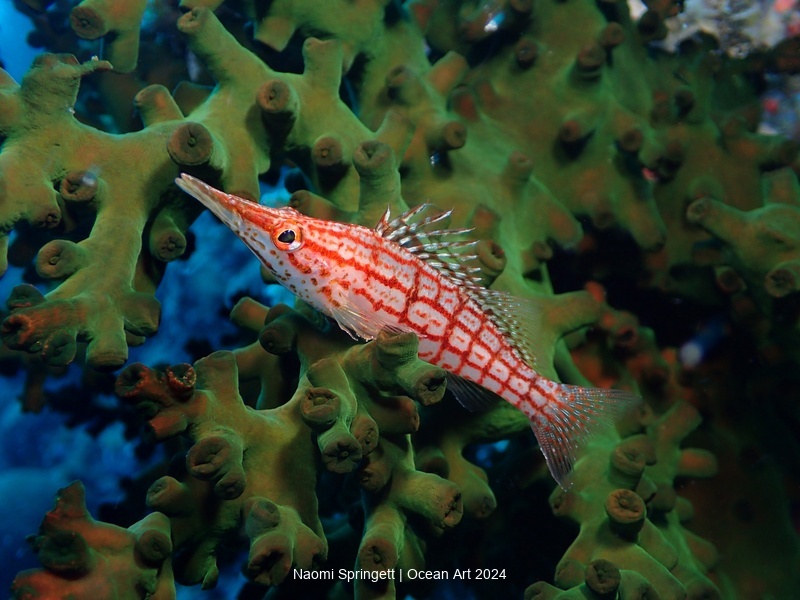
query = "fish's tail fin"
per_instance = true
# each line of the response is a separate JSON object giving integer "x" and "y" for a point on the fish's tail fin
{"x": 570, "y": 417}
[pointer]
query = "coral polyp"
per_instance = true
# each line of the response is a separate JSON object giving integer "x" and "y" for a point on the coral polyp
{"x": 615, "y": 172}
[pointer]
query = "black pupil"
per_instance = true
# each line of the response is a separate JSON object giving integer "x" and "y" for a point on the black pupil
{"x": 286, "y": 237}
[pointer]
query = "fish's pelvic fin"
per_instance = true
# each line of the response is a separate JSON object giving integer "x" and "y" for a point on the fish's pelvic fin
{"x": 566, "y": 422}
{"x": 470, "y": 395}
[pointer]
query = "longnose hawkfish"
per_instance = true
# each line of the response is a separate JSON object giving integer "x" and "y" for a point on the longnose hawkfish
{"x": 403, "y": 276}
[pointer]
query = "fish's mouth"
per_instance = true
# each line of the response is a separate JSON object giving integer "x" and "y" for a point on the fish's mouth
{"x": 252, "y": 222}
{"x": 228, "y": 208}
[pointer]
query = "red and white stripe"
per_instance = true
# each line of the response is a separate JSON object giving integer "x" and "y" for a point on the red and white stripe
{"x": 400, "y": 289}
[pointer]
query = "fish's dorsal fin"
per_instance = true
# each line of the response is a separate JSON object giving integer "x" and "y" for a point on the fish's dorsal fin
{"x": 385, "y": 222}
{"x": 520, "y": 320}
{"x": 515, "y": 317}
{"x": 393, "y": 228}
{"x": 419, "y": 236}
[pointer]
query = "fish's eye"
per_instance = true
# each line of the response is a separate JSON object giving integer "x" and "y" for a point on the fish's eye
{"x": 288, "y": 237}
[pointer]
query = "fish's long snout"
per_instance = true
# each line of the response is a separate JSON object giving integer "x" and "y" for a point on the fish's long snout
{"x": 231, "y": 210}
{"x": 223, "y": 205}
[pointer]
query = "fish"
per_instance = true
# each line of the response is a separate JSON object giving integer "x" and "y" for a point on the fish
{"x": 408, "y": 276}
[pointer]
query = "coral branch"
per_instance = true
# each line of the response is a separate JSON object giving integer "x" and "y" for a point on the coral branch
{"x": 763, "y": 243}
{"x": 92, "y": 19}
{"x": 229, "y": 471}
{"x": 83, "y": 557}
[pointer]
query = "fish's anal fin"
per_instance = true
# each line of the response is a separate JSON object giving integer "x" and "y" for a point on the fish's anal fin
{"x": 470, "y": 395}
{"x": 564, "y": 425}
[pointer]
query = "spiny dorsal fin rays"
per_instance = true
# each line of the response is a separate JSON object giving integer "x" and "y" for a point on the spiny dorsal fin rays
{"x": 431, "y": 259}
{"x": 411, "y": 230}
{"x": 436, "y": 246}
{"x": 513, "y": 316}
{"x": 391, "y": 229}
{"x": 380, "y": 228}
{"x": 416, "y": 239}
{"x": 421, "y": 237}
{"x": 387, "y": 226}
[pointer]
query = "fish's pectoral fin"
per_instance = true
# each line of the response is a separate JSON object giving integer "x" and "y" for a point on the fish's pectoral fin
{"x": 470, "y": 395}
{"x": 355, "y": 315}
{"x": 567, "y": 421}
{"x": 353, "y": 323}
{"x": 349, "y": 328}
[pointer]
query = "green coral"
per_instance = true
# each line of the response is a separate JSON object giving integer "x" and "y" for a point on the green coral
{"x": 529, "y": 117}
{"x": 85, "y": 558}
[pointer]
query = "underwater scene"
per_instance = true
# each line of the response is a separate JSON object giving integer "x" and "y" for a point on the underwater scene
{"x": 424, "y": 299}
